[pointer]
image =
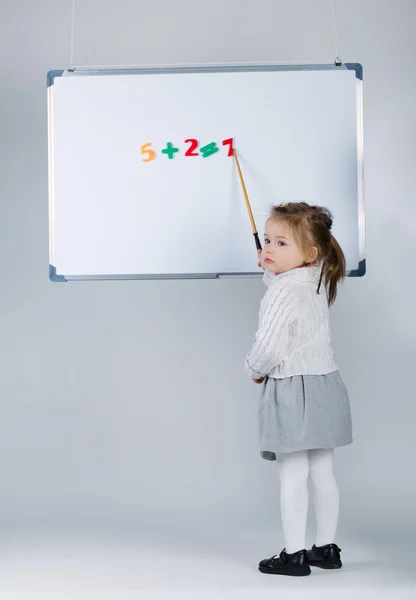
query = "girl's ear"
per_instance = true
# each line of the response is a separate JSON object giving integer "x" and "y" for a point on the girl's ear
{"x": 312, "y": 255}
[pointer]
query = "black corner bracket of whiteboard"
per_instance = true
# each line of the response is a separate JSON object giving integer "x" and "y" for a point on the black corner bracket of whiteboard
{"x": 51, "y": 76}
{"x": 357, "y": 67}
{"x": 53, "y": 276}
{"x": 361, "y": 271}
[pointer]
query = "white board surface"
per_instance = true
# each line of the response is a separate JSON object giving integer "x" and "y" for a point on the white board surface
{"x": 297, "y": 133}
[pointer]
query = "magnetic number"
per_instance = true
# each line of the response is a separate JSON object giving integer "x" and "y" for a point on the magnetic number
{"x": 151, "y": 154}
{"x": 229, "y": 143}
{"x": 192, "y": 147}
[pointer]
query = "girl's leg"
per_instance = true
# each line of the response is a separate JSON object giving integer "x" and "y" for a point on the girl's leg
{"x": 294, "y": 471}
{"x": 326, "y": 495}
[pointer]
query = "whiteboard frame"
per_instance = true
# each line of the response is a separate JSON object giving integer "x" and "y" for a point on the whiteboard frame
{"x": 357, "y": 67}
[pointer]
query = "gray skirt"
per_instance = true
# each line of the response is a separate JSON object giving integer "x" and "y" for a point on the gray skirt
{"x": 304, "y": 412}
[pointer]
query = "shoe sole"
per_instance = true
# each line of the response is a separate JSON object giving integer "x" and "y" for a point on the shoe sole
{"x": 298, "y": 574}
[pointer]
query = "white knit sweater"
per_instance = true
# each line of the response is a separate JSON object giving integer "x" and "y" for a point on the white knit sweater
{"x": 293, "y": 336}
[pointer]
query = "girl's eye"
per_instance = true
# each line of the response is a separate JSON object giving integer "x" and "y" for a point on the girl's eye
{"x": 267, "y": 241}
{"x": 281, "y": 243}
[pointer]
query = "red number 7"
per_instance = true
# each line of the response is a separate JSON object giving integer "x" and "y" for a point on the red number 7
{"x": 229, "y": 143}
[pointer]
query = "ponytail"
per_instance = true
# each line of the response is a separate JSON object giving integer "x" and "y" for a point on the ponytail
{"x": 333, "y": 269}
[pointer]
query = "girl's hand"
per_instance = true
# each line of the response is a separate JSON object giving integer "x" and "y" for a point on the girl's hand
{"x": 259, "y": 257}
{"x": 259, "y": 380}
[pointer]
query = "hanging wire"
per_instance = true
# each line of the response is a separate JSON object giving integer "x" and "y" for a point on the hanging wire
{"x": 338, "y": 61}
{"x": 71, "y": 58}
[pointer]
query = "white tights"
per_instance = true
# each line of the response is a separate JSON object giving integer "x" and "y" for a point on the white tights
{"x": 294, "y": 470}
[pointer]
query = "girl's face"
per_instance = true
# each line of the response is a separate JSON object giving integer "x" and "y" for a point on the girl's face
{"x": 280, "y": 251}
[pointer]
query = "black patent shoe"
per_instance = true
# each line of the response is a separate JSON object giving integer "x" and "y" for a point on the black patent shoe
{"x": 295, "y": 564}
{"x": 325, "y": 557}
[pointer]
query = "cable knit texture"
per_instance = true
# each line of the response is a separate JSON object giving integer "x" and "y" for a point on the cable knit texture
{"x": 293, "y": 336}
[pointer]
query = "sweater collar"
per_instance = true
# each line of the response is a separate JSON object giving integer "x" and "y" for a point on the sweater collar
{"x": 305, "y": 274}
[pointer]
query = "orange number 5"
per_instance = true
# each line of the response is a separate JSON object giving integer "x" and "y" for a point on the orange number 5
{"x": 151, "y": 154}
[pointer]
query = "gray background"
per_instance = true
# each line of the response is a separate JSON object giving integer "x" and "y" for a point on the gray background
{"x": 124, "y": 405}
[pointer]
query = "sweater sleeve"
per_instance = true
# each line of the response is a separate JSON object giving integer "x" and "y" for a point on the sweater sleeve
{"x": 277, "y": 312}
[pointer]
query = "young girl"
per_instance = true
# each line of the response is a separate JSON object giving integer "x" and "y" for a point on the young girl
{"x": 304, "y": 410}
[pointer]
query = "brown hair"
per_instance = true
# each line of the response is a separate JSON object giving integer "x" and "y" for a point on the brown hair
{"x": 311, "y": 226}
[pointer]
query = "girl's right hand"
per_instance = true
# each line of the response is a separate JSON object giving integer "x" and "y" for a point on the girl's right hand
{"x": 259, "y": 256}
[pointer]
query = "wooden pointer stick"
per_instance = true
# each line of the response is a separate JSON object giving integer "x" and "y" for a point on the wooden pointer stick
{"x": 250, "y": 213}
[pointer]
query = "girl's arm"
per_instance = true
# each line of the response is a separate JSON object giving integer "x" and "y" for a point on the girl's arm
{"x": 277, "y": 311}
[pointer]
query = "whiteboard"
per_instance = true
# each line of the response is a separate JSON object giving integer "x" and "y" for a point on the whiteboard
{"x": 123, "y": 204}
